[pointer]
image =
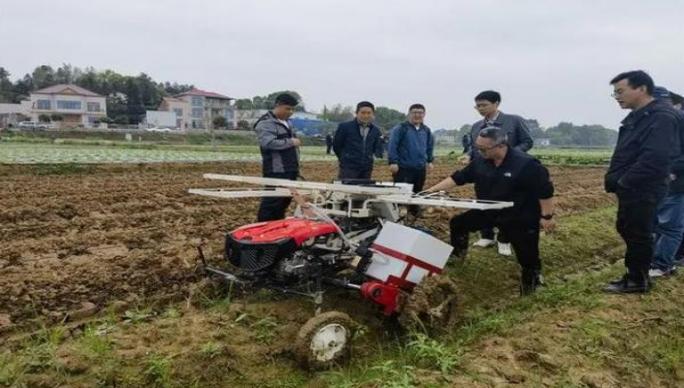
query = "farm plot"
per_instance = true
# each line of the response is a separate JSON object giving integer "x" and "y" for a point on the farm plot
{"x": 125, "y": 233}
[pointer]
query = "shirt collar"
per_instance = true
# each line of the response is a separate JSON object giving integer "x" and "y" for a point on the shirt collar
{"x": 494, "y": 119}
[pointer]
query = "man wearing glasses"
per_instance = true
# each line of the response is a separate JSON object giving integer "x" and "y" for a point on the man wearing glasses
{"x": 504, "y": 173}
{"x": 410, "y": 151}
{"x": 639, "y": 173}
{"x": 487, "y": 104}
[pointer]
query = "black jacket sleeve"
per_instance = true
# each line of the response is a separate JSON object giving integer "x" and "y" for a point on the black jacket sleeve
{"x": 339, "y": 140}
{"x": 461, "y": 177}
{"x": 654, "y": 156}
{"x": 535, "y": 178}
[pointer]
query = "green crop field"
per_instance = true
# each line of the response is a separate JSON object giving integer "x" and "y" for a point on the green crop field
{"x": 88, "y": 151}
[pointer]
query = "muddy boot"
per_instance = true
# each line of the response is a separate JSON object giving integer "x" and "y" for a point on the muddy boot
{"x": 529, "y": 281}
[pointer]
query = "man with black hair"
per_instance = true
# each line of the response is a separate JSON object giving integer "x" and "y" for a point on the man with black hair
{"x": 639, "y": 173}
{"x": 410, "y": 151}
{"x": 279, "y": 153}
{"x": 518, "y": 135}
{"x": 503, "y": 173}
{"x": 356, "y": 142}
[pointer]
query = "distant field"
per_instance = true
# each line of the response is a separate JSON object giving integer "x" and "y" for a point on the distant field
{"x": 22, "y": 153}
{"x": 88, "y": 151}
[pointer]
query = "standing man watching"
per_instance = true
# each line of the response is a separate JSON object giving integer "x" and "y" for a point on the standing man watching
{"x": 410, "y": 151}
{"x": 503, "y": 173}
{"x": 279, "y": 153}
{"x": 487, "y": 104}
{"x": 356, "y": 142}
{"x": 639, "y": 173}
{"x": 670, "y": 211}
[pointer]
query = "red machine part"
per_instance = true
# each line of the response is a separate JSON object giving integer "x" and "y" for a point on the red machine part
{"x": 386, "y": 295}
{"x": 270, "y": 231}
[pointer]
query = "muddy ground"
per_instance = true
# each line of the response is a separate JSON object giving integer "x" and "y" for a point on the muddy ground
{"x": 123, "y": 235}
{"x": 98, "y": 287}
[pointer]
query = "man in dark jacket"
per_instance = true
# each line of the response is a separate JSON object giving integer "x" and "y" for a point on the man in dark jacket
{"x": 487, "y": 104}
{"x": 670, "y": 212}
{"x": 503, "y": 173}
{"x": 356, "y": 142}
{"x": 410, "y": 151}
{"x": 639, "y": 173}
{"x": 279, "y": 153}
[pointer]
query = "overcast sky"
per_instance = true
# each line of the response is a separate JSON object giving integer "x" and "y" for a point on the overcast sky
{"x": 551, "y": 60}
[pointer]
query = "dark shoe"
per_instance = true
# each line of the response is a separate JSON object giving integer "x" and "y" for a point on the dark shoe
{"x": 529, "y": 282}
{"x": 460, "y": 244}
{"x": 627, "y": 286}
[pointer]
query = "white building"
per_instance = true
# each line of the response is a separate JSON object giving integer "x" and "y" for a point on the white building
{"x": 12, "y": 114}
{"x": 78, "y": 107}
{"x": 161, "y": 119}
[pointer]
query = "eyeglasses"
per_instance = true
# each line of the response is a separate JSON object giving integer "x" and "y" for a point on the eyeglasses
{"x": 483, "y": 150}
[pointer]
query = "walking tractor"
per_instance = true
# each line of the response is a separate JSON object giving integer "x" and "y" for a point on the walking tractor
{"x": 343, "y": 234}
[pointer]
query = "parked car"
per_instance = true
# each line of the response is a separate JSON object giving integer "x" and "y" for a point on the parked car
{"x": 159, "y": 129}
{"x": 34, "y": 125}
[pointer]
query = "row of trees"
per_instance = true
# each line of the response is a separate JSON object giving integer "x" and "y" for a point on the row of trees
{"x": 128, "y": 97}
{"x": 267, "y": 102}
{"x": 385, "y": 117}
{"x": 564, "y": 134}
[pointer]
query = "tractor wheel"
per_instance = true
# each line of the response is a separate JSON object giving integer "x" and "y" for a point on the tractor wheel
{"x": 431, "y": 306}
{"x": 325, "y": 340}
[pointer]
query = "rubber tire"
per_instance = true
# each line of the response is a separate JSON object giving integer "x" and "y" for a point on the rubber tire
{"x": 302, "y": 345}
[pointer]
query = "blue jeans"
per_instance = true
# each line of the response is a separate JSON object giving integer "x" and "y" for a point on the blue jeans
{"x": 668, "y": 231}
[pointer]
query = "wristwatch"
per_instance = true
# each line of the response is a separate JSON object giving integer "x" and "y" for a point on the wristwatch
{"x": 547, "y": 217}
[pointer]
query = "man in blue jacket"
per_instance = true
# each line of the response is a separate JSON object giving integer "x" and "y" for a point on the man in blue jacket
{"x": 639, "y": 173}
{"x": 356, "y": 142}
{"x": 410, "y": 151}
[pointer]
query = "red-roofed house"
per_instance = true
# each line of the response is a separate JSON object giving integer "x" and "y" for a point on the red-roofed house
{"x": 77, "y": 106}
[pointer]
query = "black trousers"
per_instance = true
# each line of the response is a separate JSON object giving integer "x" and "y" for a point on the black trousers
{"x": 355, "y": 173}
{"x": 273, "y": 208}
{"x": 328, "y": 148}
{"x": 635, "y": 224}
{"x": 523, "y": 236}
{"x": 416, "y": 176}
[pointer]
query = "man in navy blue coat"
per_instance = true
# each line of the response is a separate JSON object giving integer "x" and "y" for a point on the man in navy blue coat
{"x": 356, "y": 142}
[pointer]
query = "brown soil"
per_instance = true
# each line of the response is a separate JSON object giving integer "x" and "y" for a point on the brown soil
{"x": 120, "y": 235}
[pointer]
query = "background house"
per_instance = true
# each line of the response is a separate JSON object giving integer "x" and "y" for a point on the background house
{"x": 203, "y": 107}
{"x": 74, "y": 105}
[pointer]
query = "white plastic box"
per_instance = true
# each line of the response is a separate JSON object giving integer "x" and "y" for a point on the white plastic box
{"x": 406, "y": 255}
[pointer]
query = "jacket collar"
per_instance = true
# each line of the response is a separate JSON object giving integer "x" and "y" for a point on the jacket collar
{"x": 499, "y": 117}
{"x": 409, "y": 125}
{"x": 652, "y": 107}
{"x": 358, "y": 125}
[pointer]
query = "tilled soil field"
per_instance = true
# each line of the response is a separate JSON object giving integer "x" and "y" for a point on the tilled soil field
{"x": 79, "y": 239}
